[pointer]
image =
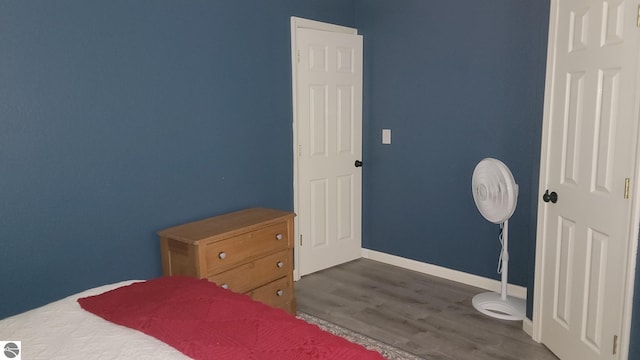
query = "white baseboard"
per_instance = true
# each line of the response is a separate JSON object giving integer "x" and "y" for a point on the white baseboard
{"x": 445, "y": 273}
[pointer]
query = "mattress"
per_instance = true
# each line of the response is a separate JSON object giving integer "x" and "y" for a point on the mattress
{"x": 62, "y": 330}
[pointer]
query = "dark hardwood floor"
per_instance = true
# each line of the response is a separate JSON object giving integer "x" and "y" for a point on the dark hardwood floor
{"x": 421, "y": 314}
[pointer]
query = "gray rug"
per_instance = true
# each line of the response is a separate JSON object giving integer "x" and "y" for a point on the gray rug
{"x": 386, "y": 350}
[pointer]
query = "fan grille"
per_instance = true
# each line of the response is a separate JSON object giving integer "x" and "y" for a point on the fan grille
{"x": 494, "y": 190}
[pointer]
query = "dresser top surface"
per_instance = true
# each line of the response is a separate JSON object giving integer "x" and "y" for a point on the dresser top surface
{"x": 224, "y": 224}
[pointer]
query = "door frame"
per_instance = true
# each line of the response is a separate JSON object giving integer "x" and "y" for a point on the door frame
{"x": 632, "y": 232}
{"x": 301, "y": 23}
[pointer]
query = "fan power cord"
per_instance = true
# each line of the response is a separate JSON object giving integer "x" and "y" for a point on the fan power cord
{"x": 499, "y": 270}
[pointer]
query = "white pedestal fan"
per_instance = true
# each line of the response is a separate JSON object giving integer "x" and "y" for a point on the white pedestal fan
{"x": 495, "y": 193}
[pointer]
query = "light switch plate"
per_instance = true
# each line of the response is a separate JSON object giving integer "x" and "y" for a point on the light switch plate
{"x": 386, "y": 136}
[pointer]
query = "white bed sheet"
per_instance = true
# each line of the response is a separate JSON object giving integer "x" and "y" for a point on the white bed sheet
{"x": 63, "y": 330}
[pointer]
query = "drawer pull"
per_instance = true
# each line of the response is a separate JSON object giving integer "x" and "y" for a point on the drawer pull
{"x": 280, "y": 292}
{"x": 222, "y": 255}
{"x": 224, "y": 286}
{"x": 279, "y": 236}
{"x": 280, "y": 264}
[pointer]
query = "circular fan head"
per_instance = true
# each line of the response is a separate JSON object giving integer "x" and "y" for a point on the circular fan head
{"x": 495, "y": 192}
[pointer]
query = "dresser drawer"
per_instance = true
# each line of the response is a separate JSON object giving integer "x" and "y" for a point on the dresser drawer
{"x": 230, "y": 252}
{"x": 278, "y": 294}
{"x": 256, "y": 273}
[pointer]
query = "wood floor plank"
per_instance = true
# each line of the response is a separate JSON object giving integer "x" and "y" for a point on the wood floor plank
{"x": 424, "y": 315}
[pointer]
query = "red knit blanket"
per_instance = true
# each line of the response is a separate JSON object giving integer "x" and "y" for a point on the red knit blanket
{"x": 204, "y": 321}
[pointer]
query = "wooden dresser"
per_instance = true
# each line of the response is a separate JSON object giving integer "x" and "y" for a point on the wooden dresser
{"x": 248, "y": 251}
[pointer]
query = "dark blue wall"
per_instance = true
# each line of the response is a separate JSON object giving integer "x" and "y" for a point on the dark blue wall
{"x": 456, "y": 82}
{"x": 120, "y": 118}
{"x": 634, "y": 349}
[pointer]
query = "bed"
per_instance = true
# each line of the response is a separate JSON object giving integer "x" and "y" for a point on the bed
{"x": 170, "y": 318}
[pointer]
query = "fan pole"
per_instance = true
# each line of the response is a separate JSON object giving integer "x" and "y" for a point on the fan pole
{"x": 504, "y": 269}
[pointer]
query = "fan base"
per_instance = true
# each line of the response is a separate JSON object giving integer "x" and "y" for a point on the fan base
{"x": 492, "y": 304}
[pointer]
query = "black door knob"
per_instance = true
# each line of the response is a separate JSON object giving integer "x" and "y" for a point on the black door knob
{"x": 553, "y": 197}
{"x": 358, "y": 163}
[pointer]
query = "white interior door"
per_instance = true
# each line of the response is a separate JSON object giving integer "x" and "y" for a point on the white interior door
{"x": 329, "y": 141}
{"x": 590, "y": 137}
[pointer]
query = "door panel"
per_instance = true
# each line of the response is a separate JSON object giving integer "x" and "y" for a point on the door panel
{"x": 329, "y": 133}
{"x": 564, "y": 273}
{"x": 590, "y": 143}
